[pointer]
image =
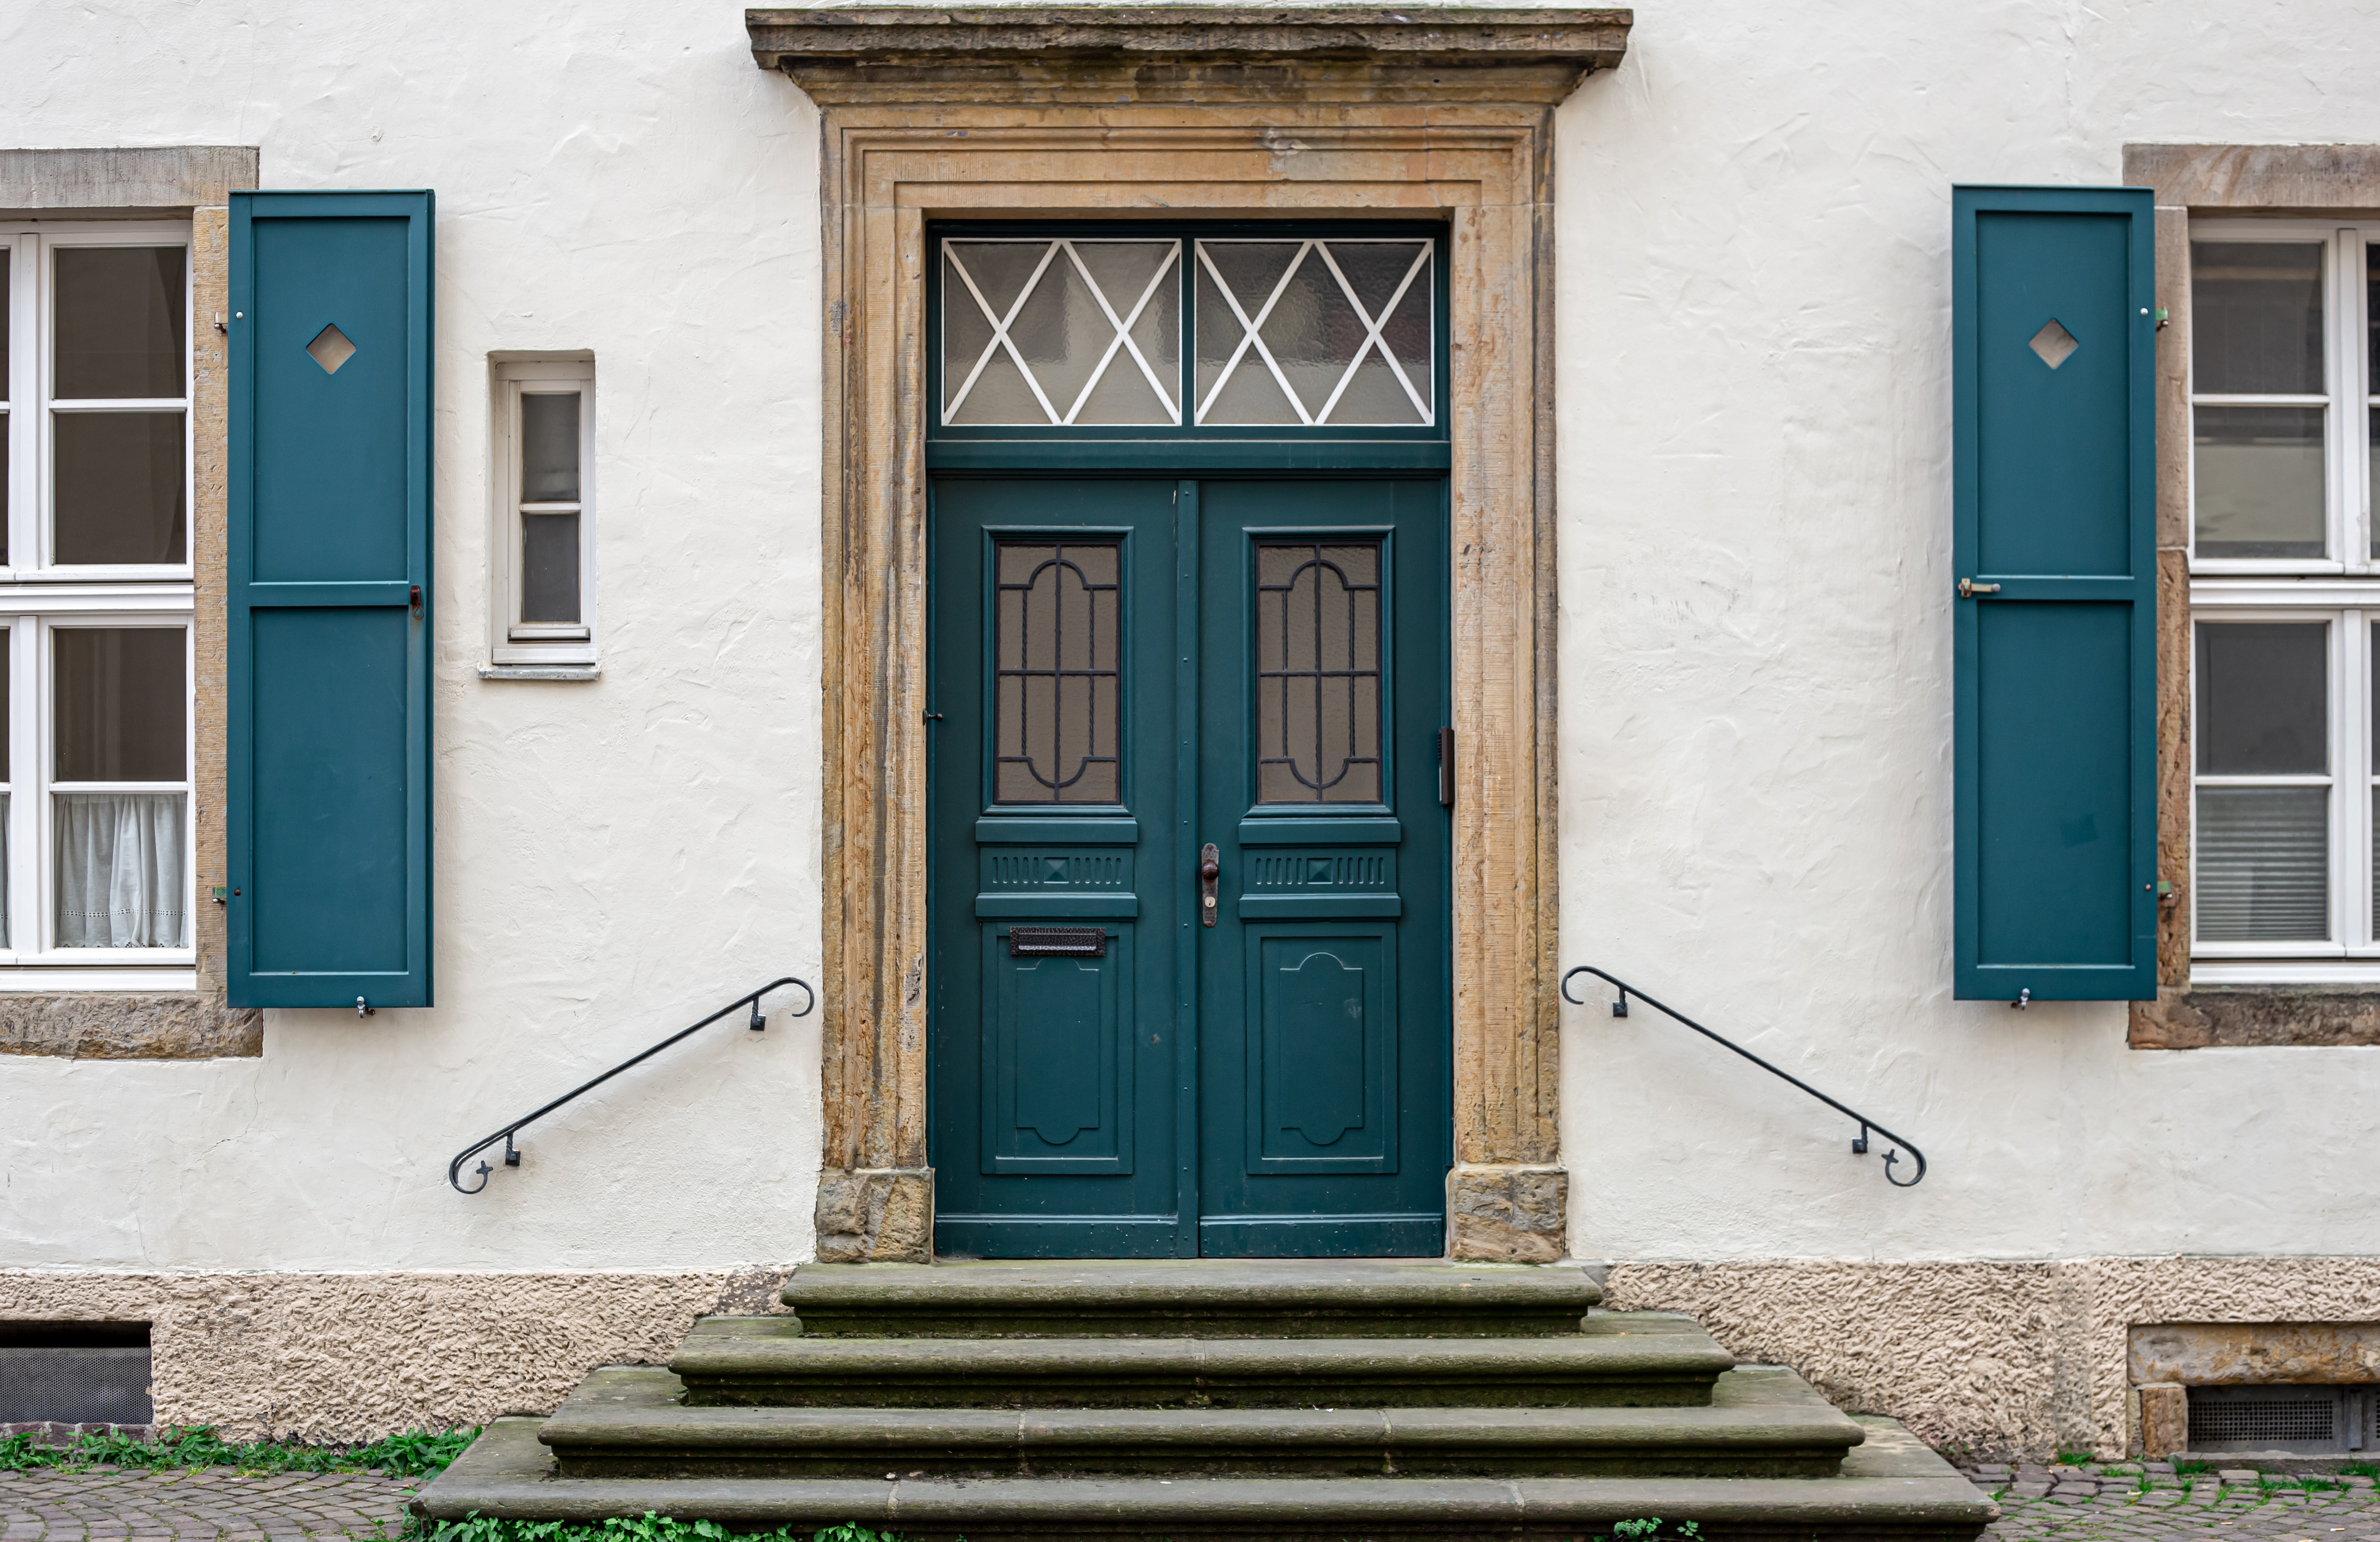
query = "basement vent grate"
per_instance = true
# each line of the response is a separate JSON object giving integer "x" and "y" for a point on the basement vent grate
{"x": 74, "y": 1373}
{"x": 2282, "y": 1418}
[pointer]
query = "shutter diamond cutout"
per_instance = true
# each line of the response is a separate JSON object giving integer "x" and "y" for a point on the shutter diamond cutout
{"x": 331, "y": 349}
{"x": 2054, "y": 343}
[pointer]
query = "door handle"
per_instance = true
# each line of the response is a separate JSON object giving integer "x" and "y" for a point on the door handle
{"x": 1210, "y": 867}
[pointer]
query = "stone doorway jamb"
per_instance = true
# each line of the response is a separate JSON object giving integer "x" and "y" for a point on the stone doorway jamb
{"x": 1215, "y": 112}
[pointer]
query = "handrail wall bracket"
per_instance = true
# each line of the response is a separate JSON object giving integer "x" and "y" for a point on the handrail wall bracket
{"x": 1858, "y": 1141}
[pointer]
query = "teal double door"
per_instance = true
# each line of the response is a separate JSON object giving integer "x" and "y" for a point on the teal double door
{"x": 1190, "y": 965}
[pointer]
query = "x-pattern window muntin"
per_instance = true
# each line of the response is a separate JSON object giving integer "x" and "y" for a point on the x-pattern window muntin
{"x": 1391, "y": 332}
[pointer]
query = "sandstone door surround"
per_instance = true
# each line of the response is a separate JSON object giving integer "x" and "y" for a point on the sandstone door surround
{"x": 1213, "y": 112}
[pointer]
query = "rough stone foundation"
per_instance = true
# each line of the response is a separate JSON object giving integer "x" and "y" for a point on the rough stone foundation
{"x": 1998, "y": 1359}
{"x": 356, "y": 1356}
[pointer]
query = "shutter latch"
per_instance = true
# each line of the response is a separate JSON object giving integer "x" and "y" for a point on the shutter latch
{"x": 1969, "y": 589}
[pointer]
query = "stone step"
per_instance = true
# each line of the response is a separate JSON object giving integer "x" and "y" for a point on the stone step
{"x": 626, "y": 1421}
{"x": 1623, "y": 1359}
{"x": 1190, "y": 1298}
{"x": 1890, "y": 1489}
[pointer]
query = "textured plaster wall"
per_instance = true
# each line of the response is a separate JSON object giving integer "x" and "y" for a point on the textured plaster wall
{"x": 613, "y": 859}
{"x": 355, "y": 1357}
{"x": 2000, "y": 1358}
{"x": 1755, "y": 480}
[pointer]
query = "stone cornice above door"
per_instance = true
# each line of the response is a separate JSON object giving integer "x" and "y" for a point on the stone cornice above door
{"x": 1180, "y": 54}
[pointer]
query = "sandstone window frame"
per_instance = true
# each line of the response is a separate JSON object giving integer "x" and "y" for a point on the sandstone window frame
{"x": 2322, "y": 185}
{"x": 1227, "y": 114}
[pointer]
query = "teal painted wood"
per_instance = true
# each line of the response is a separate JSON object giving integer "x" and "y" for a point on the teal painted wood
{"x": 2056, "y": 672}
{"x": 329, "y": 746}
{"x": 1326, "y": 1041}
{"x": 1052, "y": 1080}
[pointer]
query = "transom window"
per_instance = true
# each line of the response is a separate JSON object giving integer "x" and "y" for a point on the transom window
{"x": 96, "y": 870}
{"x": 1106, "y": 330}
{"x": 2285, "y": 596}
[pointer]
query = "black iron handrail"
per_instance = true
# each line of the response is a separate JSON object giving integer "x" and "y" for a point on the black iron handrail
{"x": 512, "y": 1154}
{"x": 1859, "y": 1143}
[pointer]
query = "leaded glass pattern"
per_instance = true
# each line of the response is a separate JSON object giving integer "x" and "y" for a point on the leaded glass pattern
{"x": 1317, "y": 672}
{"x": 1058, "y": 629}
{"x": 1037, "y": 333}
{"x": 1314, "y": 332}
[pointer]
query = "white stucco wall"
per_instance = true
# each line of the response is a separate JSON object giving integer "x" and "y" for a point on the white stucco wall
{"x": 613, "y": 859}
{"x": 1754, "y": 440}
{"x": 1755, "y": 511}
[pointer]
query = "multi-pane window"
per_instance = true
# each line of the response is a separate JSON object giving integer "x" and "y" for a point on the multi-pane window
{"x": 544, "y": 531}
{"x": 96, "y": 864}
{"x": 1229, "y": 333}
{"x": 2285, "y": 409}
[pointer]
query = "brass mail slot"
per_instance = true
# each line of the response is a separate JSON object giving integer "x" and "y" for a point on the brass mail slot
{"x": 1057, "y": 942}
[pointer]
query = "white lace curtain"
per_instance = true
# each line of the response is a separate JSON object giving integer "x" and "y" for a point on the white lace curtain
{"x": 120, "y": 870}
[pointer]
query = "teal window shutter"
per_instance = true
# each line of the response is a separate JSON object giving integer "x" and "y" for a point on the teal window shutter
{"x": 2055, "y": 638}
{"x": 328, "y": 762}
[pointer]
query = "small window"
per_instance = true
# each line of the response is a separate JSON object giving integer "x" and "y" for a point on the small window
{"x": 543, "y": 538}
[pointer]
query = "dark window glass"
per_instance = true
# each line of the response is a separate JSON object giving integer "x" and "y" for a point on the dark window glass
{"x": 1318, "y": 673}
{"x": 118, "y": 486}
{"x": 119, "y": 320}
{"x": 120, "y": 703}
{"x": 550, "y": 448}
{"x": 2262, "y": 690}
{"x": 1057, "y": 636}
{"x": 549, "y": 569}
{"x": 2256, "y": 317}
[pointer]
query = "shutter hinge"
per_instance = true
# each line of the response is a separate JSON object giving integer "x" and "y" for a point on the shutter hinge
{"x": 1969, "y": 589}
{"x": 413, "y": 598}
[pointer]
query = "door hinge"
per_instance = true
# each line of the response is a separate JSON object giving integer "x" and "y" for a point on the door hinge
{"x": 1446, "y": 767}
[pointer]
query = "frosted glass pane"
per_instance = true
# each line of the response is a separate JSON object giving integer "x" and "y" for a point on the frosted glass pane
{"x": 2263, "y": 692}
{"x": 1057, "y": 628}
{"x": 550, "y": 447}
{"x": 2257, "y": 482}
{"x": 1250, "y": 394}
{"x": 1313, "y": 333}
{"x": 1316, "y": 308}
{"x": 1077, "y": 312}
{"x": 1318, "y": 673}
{"x": 118, "y": 331}
{"x": 2264, "y": 872}
{"x": 2256, "y": 318}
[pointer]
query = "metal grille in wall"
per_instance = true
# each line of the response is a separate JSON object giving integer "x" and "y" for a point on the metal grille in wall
{"x": 2280, "y": 1419}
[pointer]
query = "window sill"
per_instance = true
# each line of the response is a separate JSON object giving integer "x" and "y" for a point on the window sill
{"x": 42, "y": 979}
{"x": 2333, "y": 1013}
{"x": 541, "y": 671}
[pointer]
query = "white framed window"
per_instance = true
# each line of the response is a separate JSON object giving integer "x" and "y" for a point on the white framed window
{"x": 542, "y": 534}
{"x": 97, "y": 862}
{"x": 2285, "y": 601}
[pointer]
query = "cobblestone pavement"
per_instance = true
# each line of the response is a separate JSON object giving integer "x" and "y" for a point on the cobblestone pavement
{"x": 2149, "y": 1503}
{"x": 109, "y": 1504}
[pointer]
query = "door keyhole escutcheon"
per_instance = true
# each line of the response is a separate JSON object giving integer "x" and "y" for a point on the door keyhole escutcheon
{"x": 1210, "y": 867}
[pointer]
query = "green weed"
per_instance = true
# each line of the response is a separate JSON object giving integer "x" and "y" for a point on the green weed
{"x": 415, "y": 1454}
{"x": 648, "y": 1527}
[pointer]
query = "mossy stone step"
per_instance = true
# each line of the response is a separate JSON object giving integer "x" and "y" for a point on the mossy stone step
{"x": 1620, "y": 1359}
{"x": 1190, "y": 1298}
{"x": 1891, "y": 1489}
{"x": 626, "y": 1421}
